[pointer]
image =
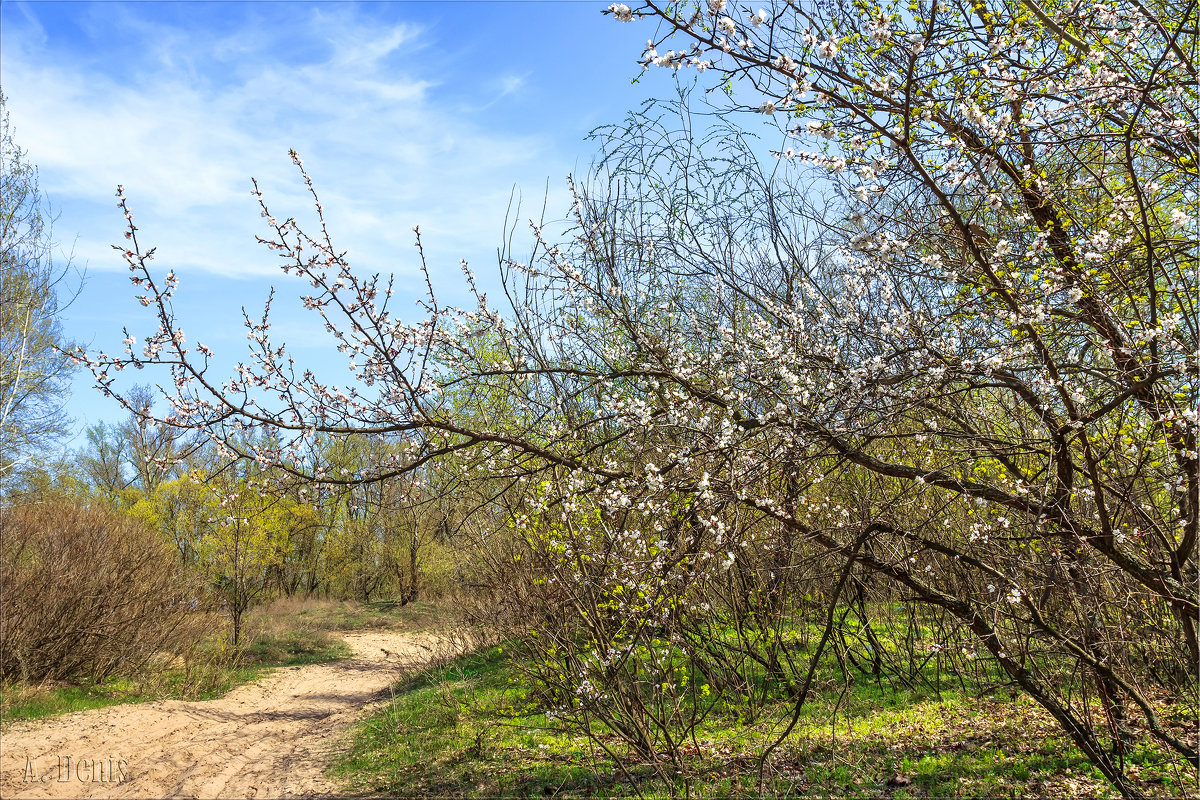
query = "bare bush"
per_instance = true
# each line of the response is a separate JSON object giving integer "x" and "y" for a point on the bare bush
{"x": 90, "y": 591}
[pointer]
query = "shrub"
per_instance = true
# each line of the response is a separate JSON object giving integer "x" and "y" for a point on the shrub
{"x": 90, "y": 591}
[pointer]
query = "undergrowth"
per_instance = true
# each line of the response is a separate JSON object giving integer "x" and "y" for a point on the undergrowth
{"x": 470, "y": 729}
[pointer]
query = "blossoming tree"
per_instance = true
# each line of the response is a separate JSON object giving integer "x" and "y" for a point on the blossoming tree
{"x": 969, "y": 376}
{"x": 1018, "y": 298}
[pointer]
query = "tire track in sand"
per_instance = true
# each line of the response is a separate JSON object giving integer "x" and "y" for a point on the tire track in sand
{"x": 271, "y": 738}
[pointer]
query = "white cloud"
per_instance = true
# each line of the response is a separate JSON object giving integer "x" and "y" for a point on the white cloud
{"x": 401, "y": 120}
{"x": 186, "y": 125}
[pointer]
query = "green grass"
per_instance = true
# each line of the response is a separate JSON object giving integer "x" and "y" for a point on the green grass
{"x": 464, "y": 728}
{"x": 20, "y": 702}
{"x": 467, "y": 729}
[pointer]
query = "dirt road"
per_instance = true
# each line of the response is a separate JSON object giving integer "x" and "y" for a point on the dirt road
{"x": 267, "y": 739}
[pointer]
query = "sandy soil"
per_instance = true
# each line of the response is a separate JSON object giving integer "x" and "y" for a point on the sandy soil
{"x": 268, "y": 739}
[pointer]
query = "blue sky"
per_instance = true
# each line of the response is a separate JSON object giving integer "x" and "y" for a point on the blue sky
{"x": 407, "y": 113}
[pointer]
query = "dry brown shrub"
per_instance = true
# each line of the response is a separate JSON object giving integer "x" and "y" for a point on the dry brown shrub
{"x": 90, "y": 591}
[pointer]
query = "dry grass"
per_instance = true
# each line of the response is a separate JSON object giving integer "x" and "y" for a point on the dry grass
{"x": 312, "y": 614}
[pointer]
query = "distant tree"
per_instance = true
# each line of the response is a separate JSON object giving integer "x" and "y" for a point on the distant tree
{"x": 154, "y": 448}
{"x": 102, "y": 461}
{"x": 34, "y": 369}
{"x": 235, "y": 538}
{"x": 138, "y": 455}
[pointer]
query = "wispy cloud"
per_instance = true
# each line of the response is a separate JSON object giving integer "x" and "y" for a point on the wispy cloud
{"x": 197, "y": 113}
{"x": 405, "y": 113}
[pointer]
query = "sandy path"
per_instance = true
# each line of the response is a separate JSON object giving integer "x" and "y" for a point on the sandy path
{"x": 267, "y": 739}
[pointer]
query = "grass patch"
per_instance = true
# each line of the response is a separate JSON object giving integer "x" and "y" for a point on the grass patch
{"x": 34, "y": 702}
{"x": 468, "y": 729}
{"x": 293, "y": 648}
{"x": 464, "y": 728}
{"x": 294, "y": 613}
